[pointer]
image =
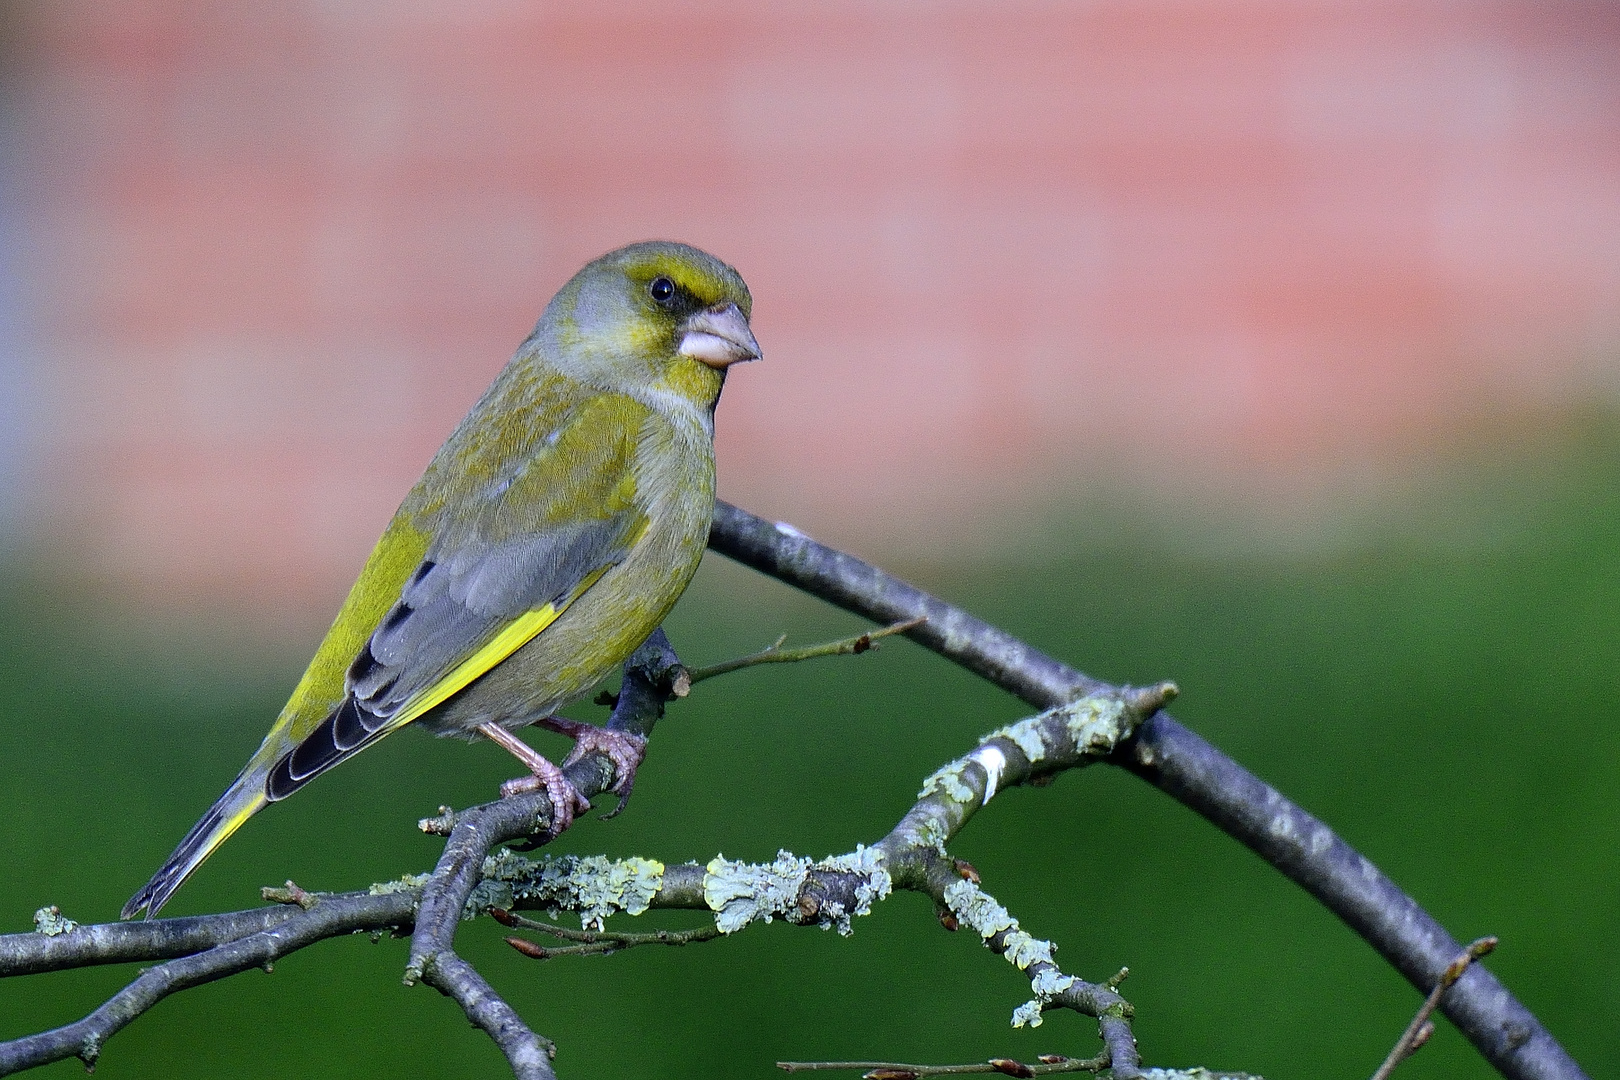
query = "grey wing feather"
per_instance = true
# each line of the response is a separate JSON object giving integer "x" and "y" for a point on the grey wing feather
{"x": 453, "y": 602}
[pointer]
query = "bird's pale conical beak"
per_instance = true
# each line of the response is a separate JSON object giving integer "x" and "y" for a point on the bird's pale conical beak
{"x": 718, "y": 336}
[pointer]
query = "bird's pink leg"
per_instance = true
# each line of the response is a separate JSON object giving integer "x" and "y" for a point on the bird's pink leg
{"x": 625, "y": 750}
{"x": 565, "y": 797}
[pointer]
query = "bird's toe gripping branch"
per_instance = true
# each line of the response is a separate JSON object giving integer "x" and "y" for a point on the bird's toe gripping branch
{"x": 566, "y": 799}
{"x": 625, "y": 749}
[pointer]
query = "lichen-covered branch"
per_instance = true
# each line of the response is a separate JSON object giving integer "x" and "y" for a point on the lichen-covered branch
{"x": 1189, "y": 769}
{"x": 1086, "y": 720}
{"x": 832, "y": 892}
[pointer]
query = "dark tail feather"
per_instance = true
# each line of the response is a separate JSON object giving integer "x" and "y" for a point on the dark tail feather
{"x": 349, "y": 730}
{"x": 241, "y": 801}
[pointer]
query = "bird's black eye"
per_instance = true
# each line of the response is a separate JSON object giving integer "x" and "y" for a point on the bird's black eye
{"x": 662, "y": 290}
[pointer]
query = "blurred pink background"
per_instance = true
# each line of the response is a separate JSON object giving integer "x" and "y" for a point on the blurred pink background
{"x": 999, "y": 252}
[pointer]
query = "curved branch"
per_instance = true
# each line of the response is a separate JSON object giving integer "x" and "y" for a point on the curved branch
{"x": 1189, "y": 769}
{"x": 1086, "y": 718}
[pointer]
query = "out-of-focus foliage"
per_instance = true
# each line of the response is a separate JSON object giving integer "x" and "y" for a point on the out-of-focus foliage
{"x": 1444, "y": 696}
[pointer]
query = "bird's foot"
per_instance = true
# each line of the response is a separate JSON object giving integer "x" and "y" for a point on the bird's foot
{"x": 624, "y": 750}
{"x": 566, "y": 799}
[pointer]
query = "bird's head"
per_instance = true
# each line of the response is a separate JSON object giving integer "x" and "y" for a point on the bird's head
{"x": 656, "y": 316}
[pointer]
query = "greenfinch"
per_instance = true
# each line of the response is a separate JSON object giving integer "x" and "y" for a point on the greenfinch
{"x": 550, "y": 535}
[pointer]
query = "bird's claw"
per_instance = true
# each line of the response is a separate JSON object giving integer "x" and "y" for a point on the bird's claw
{"x": 625, "y": 750}
{"x": 566, "y": 799}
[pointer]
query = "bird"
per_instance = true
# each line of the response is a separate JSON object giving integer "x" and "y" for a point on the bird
{"x": 549, "y": 536}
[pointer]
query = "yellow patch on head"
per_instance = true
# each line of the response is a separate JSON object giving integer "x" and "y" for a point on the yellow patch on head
{"x": 709, "y": 281}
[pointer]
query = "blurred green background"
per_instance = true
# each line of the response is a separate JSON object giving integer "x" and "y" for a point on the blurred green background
{"x": 1437, "y": 682}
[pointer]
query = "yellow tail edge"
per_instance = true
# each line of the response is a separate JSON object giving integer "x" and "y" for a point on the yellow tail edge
{"x": 241, "y": 801}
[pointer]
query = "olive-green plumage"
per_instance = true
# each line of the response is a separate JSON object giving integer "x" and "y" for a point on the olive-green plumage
{"x": 550, "y": 535}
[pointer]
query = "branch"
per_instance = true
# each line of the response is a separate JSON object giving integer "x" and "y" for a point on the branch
{"x": 1085, "y": 718}
{"x": 1189, "y": 769}
{"x": 283, "y": 931}
{"x": 58, "y": 944}
{"x": 651, "y": 677}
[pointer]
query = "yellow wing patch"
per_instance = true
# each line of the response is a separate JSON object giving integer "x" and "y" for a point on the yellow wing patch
{"x": 512, "y": 637}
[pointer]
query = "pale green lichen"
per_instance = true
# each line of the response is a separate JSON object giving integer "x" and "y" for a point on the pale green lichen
{"x": 401, "y": 884}
{"x": 874, "y": 886}
{"x": 51, "y": 922}
{"x": 1048, "y": 983}
{"x": 602, "y": 886}
{"x": 930, "y": 834}
{"x": 976, "y": 908}
{"x": 495, "y": 890}
{"x": 1096, "y": 724}
{"x": 1027, "y": 1015}
{"x": 595, "y": 886}
{"x": 949, "y": 782}
{"x": 739, "y": 892}
{"x": 1022, "y": 950}
{"x": 1026, "y": 735}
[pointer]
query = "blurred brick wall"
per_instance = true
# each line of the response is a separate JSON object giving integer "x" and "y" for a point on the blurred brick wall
{"x": 995, "y": 248}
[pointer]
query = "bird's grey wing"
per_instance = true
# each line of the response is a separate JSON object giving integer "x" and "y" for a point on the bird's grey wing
{"x": 453, "y": 604}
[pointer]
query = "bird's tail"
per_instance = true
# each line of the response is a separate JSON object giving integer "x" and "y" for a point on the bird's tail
{"x": 241, "y": 800}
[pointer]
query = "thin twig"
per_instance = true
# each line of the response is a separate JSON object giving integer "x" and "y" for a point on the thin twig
{"x": 775, "y": 654}
{"x": 893, "y": 1070}
{"x": 593, "y": 942}
{"x": 1418, "y": 1031}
